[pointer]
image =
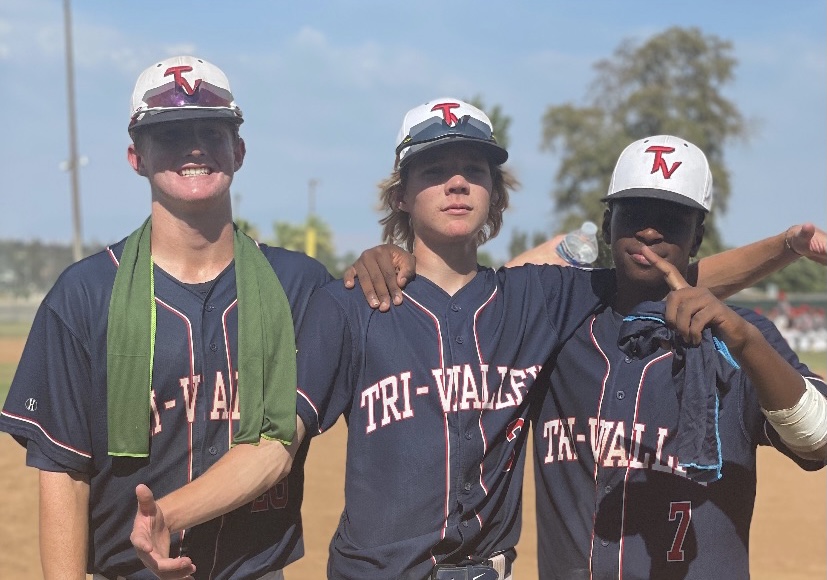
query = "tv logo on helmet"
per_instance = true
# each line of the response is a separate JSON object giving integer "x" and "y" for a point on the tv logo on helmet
{"x": 447, "y": 115}
{"x": 176, "y": 71}
{"x": 660, "y": 162}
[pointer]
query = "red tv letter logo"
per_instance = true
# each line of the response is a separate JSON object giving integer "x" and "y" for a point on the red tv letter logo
{"x": 176, "y": 71}
{"x": 660, "y": 162}
{"x": 447, "y": 115}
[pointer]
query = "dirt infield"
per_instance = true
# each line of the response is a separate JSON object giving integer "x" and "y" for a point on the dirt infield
{"x": 789, "y": 539}
{"x": 10, "y": 349}
{"x": 789, "y": 532}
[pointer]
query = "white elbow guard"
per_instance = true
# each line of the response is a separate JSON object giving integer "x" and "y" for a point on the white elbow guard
{"x": 803, "y": 427}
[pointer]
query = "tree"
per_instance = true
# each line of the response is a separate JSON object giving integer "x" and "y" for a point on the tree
{"x": 243, "y": 224}
{"x": 800, "y": 276}
{"x": 247, "y": 227}
{"x": 500, "y": 122}
{"x": 293, "y": 237}
{"x": 670, "y": 84}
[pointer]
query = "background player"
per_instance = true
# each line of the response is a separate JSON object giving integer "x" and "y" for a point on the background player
{"x": 630, "y": 440}
{"x": 184, "y": 126}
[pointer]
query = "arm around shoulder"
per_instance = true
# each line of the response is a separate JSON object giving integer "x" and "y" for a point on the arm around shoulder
{"x": 733, "y": 270}
{"x": 545, "y": 253}
{"x": 382, "y": 272}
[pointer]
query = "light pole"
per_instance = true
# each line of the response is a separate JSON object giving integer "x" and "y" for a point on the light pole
{"x": 73, "y": 163}
{"x": 310, "y": 231}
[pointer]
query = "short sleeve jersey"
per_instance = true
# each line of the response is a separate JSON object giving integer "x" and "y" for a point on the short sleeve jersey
{"x": 57, "y": 408}
{"x": 435, "y": 394}
{"x": 611, "y": 500}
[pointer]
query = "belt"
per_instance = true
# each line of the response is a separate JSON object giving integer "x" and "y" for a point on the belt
{"x": 497, "y": 567}
{"x": 275, "y": 575}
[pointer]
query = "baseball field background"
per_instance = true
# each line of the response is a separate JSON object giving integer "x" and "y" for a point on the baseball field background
{"x": 789, "y": 531}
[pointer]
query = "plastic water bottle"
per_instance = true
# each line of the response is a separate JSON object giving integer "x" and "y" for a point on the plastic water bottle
{"x": 579, "y": 247}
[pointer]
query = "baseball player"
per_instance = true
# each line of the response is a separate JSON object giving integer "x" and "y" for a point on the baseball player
{"x": 132, "y": 371}
{"x": 645, "y": 441}
{"x": 436, "y": 424}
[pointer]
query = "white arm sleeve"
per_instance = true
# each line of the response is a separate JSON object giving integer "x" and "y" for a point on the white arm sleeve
{"x": 803, "y": 427}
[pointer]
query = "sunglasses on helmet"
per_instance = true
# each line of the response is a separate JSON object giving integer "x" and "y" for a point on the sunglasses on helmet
{"x": 436, "y": 128}
{"x": 173, "y": 96}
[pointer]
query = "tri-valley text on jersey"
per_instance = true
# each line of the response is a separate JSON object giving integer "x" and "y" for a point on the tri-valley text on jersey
{"x": 189, "y": 389}
{"x": 459, "y": 388}
{"x": 611, "y": 443}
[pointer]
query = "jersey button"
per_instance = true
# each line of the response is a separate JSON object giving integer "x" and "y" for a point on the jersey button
{"x": 460, "y": 340}
{"x": 455, "y": 308}
{"x": 628, "y": 359}
{"x": 465, "y": 524}
{"x": 468, "y": 435}
{"x": 620, "y": 395}
{"x": 213, "y": 347}
{"x": 213, "y": 450}
{"x": 467, "y": 487}
{"x": 604, "y": 543}
{"x": 210, "y": 308}
{"x": 607, "y": 489}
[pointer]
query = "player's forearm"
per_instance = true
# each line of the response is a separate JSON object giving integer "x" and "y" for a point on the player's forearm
{"x": 733, "y": 270}
{"x": 778, "y": 385}
{"x": 64, "y": 527}
{"x": 798, "y": 418}
{"x": 243, "y": 474}
{"x": 545, "y": 253}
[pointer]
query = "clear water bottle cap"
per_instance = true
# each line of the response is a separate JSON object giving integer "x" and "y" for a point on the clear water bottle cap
{"x": 588, "y": 228}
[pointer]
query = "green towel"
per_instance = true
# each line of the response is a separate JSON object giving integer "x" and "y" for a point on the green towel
{"x": 266, "y": 348}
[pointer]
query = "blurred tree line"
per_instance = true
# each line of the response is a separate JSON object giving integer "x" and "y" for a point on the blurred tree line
{"x": 30, "y": 268}
{"x": 671, "y": 83}
{"x": 294, "y": 236}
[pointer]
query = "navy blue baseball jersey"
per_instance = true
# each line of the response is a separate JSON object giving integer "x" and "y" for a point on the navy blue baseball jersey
{"x": 57, "y": 408}
{"x": 612, "y": 499}
{"x": 435, "y": 394}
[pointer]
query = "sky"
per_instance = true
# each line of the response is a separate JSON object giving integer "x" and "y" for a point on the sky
{"x": 324, "y": 86}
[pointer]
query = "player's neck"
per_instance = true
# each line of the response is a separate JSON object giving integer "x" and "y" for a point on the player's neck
{"x": 193, "y": 248}
{"x": 450, "y": 268}
{"x": 629, "y": 295}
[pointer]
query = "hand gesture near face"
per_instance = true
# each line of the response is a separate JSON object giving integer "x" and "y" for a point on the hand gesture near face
{"x": 690, "y": 309}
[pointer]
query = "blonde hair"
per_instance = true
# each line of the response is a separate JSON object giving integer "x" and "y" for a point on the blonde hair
{"x": 396, "y": 225}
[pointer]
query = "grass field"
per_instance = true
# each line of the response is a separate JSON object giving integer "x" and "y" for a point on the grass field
{"x": 12, "y": 330}
{"x": 6, "y": 374}
{"x": 12, "y": 337}
{"x": 817, "y": 361}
